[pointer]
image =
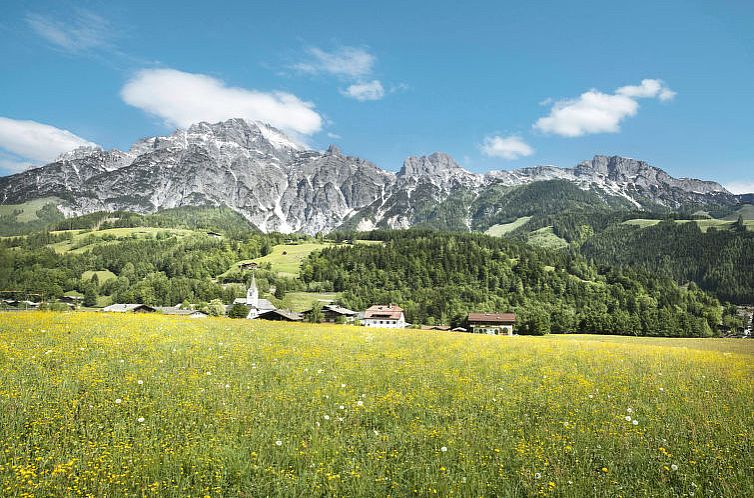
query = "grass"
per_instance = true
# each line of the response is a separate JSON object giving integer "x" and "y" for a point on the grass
{"x": 102, "y": 275}
{"x": 302, "y": 301}
{"x": 704, "y": 225}
{"x": 148, "y": 405}
{"x": 29, "y": 209}
{"x": 285, "y": 259}
{"x": 74, "y": 246}
{"x": 746, "y": 212}
{"x": 545, "y": 237}
{"x": 504, "y": 228}
{"x": 641, "y": 222}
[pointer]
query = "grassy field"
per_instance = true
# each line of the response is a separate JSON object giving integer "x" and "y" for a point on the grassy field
{"x": 102, "y": 275}
{"x": 101, "y": 237}
{"x": 302, "y": 301}
{"x": 29, "y": 209}
{"x": 145, "y": 405}
{"x": 545, "y": 237}
{"x": 286, "y": 258}
{"x": 502, "y": 229}
{"x": 704, "y": 225}
{"x": 746, "y": 212}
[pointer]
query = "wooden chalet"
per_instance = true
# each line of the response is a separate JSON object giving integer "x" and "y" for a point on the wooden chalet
{"x": 491, "y": 323}
{"x": 332, "y": 313}
{"x": 278, "y": 315}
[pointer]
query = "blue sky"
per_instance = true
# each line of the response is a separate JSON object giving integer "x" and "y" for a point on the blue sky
{"x": 498, "y": 85}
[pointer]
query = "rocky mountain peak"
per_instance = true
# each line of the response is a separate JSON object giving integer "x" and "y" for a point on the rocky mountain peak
{"x": 626, "y": 170}
{"x": 436, "y": 164}
{"x": 278, "y": 184}
{"x": 79, "y": 152}
{"x": 333, "y": 150}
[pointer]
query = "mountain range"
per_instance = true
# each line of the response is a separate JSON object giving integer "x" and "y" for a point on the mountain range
{"x": 279, "y": 185}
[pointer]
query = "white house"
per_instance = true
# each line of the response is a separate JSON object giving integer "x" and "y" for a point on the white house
{"x": 252, "y": 301}
{"x": 389, "y": 317}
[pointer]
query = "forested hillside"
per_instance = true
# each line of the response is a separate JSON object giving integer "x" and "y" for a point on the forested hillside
{"x": 720, "y": 261}
{"x": 440, "y": 276}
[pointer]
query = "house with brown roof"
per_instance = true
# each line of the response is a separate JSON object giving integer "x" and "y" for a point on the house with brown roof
{"x": 389, "y": 317}
{"x": 491, "y": 323}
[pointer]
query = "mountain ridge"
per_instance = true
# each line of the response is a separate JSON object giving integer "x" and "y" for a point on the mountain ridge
{"x": 280, "y": 185}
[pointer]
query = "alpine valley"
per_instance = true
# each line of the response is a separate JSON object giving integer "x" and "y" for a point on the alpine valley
{"x": 279, "y": 185}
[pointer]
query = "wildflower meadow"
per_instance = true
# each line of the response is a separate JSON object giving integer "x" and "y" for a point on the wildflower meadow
{"x": 95, "y": 404}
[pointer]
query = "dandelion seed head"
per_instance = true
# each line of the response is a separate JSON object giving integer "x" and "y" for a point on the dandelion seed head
{"x": 278, "y": 443}
{"x": 537, "y": 475}
{"x": 118, "y": 401}
{"x": 140, "y": 382}
{"x": 674, "y": 467}
{"x": 140, "y": 420}
{"x": 444, "y": 449}
{"x": 635, "y": 422}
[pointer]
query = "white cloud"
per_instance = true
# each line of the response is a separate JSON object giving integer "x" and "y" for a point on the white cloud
{"x": 349, "y": 62}
{"x": 34, "y": 142}
{"x": 597, "y": 112}
{"x": 85, "y": 31}
{"x": 181, "y": 99}
{"x": 740, "y": 186}
{"x": 648, "y": 89}
{"x": 510, "y": 147}
{"x": 369, "y": 90}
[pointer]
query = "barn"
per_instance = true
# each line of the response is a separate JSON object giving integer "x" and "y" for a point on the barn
{"x": 491, "y": 323}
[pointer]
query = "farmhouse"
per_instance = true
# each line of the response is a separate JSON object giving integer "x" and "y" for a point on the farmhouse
{"x": 333, "y": 313}
{"x": 390, "y": 317}
{"x": 279, "y": 315}
{"x": 172, "y": 310}
{"x": 491, "y": 323}
{"x": 129, "y": 308}
{"x": 252, "y": 301}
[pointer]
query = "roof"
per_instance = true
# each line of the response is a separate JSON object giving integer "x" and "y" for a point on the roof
{"x": 383, "y": 312}
{"x": 485, "y": 317}
{"x": 262, "y": 304}
{"x": 286, "y": 314}
{"x": 338, "y": 309}
{"x": 125, "y": 307}
{"x": 171, "y": 310}
{"x": 435, "y": 327}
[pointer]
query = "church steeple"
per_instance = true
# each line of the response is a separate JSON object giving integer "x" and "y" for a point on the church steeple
{"x": 252, "y": 294}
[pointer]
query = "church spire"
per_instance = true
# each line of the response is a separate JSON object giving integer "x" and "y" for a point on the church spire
{"x": 252, "y": 294}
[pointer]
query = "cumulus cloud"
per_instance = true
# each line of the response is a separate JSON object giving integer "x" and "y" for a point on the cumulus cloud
{"x": 740, "y": 187}
{"x": 34, "y": 142}
{"x": 648, "y": 89}
{"x": 370, "y": 90}
{"x": 181, "y": 99}
{"x": 85, "y": 31}
{"x": 510, "y": 147}
{"x": 597, "y": 112}
{"x": 349, "y": 62}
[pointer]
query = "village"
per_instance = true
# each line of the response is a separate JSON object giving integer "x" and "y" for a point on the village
{"x": 254, "y": 307}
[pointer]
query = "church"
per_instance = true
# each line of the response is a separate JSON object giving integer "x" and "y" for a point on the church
{"x": 252, "y": 301}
